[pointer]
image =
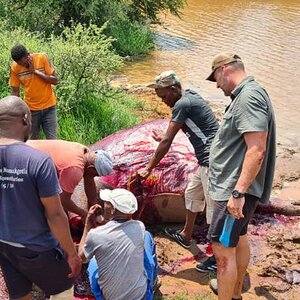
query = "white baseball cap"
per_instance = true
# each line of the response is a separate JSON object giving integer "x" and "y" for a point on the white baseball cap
{"x": 121, "y": 199}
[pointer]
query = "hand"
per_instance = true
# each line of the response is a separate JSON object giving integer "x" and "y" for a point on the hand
{"x": 144, "y": 173}
{"x": 235, "y": 207}
{"x": 74, "y": 262}
{"x": 94, "y": 216}
{"x": 158, "y": 134}
{"x": 30, "y": 63}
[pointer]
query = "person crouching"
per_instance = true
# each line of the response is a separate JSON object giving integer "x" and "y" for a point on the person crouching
{"x": 118, "y": 247}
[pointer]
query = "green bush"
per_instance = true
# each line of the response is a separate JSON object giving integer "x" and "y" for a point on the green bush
{"x": 131, "y": 38}
{"x": 84, "y": 60}
{"x": 97, "y": 117}
{"x": 52, "y": 17}
{"x": 88, "y": 108}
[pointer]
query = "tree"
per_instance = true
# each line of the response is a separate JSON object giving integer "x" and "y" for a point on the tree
{"x": 50, "y": 16}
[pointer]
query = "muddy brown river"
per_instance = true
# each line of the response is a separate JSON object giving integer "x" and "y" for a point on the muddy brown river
{"x": 266, "y": 34}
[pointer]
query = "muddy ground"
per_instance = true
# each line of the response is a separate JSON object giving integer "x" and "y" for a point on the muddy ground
{"x": 274, "y": 271}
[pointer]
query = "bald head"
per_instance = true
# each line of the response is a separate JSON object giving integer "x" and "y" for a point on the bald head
{"x": 15, "y": 118}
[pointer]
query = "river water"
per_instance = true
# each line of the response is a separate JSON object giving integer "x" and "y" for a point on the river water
{"x": 266, "y": 34}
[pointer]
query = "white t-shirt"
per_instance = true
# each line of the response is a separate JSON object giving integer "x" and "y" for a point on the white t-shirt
{"x": 119, "y": 251}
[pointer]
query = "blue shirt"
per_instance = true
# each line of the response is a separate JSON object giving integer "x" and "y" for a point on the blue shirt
{"x": 26, "y": 175}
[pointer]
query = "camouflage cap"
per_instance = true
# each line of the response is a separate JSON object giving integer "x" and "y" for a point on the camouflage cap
{"x": 221, "y": 59}
{"x": 164, "y": 79}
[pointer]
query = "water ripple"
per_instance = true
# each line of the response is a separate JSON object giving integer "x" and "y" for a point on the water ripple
{"x": 264, "y": 33}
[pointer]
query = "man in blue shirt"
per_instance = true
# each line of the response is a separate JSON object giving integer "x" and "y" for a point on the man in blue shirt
{"x": 35, "y": 241}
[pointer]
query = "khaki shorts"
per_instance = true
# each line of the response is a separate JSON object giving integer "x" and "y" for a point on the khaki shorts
{"x": 196, "y": 194}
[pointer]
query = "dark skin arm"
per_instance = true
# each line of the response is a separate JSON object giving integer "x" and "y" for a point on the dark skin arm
{"x": 162, "y": 149}
{"x": 69, "y": 205}
{"x": 90, "y": 186}
{"x": 58, "y": 223}
{"x": 90, "y": 223}
{"x": 52, "y": 79}
{"x": 256, "y": 147}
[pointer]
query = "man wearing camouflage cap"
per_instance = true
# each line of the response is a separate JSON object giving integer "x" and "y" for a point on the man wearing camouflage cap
{"x": 241, "y": 170}
{"x": 191, "y": 114}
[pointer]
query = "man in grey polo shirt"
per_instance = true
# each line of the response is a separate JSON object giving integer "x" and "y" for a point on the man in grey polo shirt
{"x": 242, "y": 163}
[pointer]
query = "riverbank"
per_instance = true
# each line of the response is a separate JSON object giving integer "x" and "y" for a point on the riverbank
{"x": 274, "y": 271}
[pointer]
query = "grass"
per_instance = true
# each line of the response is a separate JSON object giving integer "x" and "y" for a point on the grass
{"x": 97, "y": 117}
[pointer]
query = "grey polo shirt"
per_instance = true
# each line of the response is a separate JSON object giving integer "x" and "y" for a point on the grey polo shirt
{"x": 250, "y": 111}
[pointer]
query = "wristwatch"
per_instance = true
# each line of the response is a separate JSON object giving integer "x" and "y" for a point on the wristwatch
{"x": 236, "y": 194}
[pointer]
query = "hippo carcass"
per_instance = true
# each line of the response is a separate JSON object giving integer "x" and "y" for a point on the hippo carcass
{"x": 160, "y": 196}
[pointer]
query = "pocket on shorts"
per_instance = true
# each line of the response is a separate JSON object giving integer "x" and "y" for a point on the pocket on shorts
{"x": 30, "y": 257}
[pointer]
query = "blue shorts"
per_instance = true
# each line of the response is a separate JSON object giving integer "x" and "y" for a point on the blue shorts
{"x": 238, "y": 227}
{"x": 21, "y": 267}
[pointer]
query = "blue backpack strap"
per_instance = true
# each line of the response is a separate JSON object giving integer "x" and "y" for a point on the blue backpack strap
{"x": 150, "y": 264}
{"x": 93, "y": 278}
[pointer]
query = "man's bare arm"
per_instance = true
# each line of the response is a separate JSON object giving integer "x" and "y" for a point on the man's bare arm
{"x": 69, "y": 205}
{"x": 254, "y": 156}
{"x": 52, "y": 79}
{"x": 90, "y": 189}
{"x": 256, "y": 148}
{"x": 87, "y": 227}
{"x": 162, "y": 149}
{"x": 59, "y": 225}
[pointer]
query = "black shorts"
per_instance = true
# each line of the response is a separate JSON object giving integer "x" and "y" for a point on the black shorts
{"x": 21, "y": 267}
{"x": 237, "y": 228}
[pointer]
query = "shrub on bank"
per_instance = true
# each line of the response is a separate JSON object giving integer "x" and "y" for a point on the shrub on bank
{"x": 88, "y": 108}
{"x": 52, "y": 17}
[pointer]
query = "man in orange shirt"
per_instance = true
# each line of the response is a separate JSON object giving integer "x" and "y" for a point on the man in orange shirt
{"x": 74, "y": 162}
{"x": 36, "y": 74}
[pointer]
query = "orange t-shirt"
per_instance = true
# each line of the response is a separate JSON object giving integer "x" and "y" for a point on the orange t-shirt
{"x": 38, "y": 94}
{"x": 68, "y": 158}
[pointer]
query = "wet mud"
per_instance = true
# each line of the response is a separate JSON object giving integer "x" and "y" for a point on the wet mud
{"x": 274, "y": 270}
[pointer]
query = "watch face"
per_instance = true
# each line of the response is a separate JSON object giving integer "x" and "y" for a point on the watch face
{"x": 236, "y": 194}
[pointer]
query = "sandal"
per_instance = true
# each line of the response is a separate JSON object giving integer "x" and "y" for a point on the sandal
{"x": 177, "y": 237}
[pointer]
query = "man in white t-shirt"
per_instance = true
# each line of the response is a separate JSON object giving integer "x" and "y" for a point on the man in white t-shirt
{"x": 118, "y": 246}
